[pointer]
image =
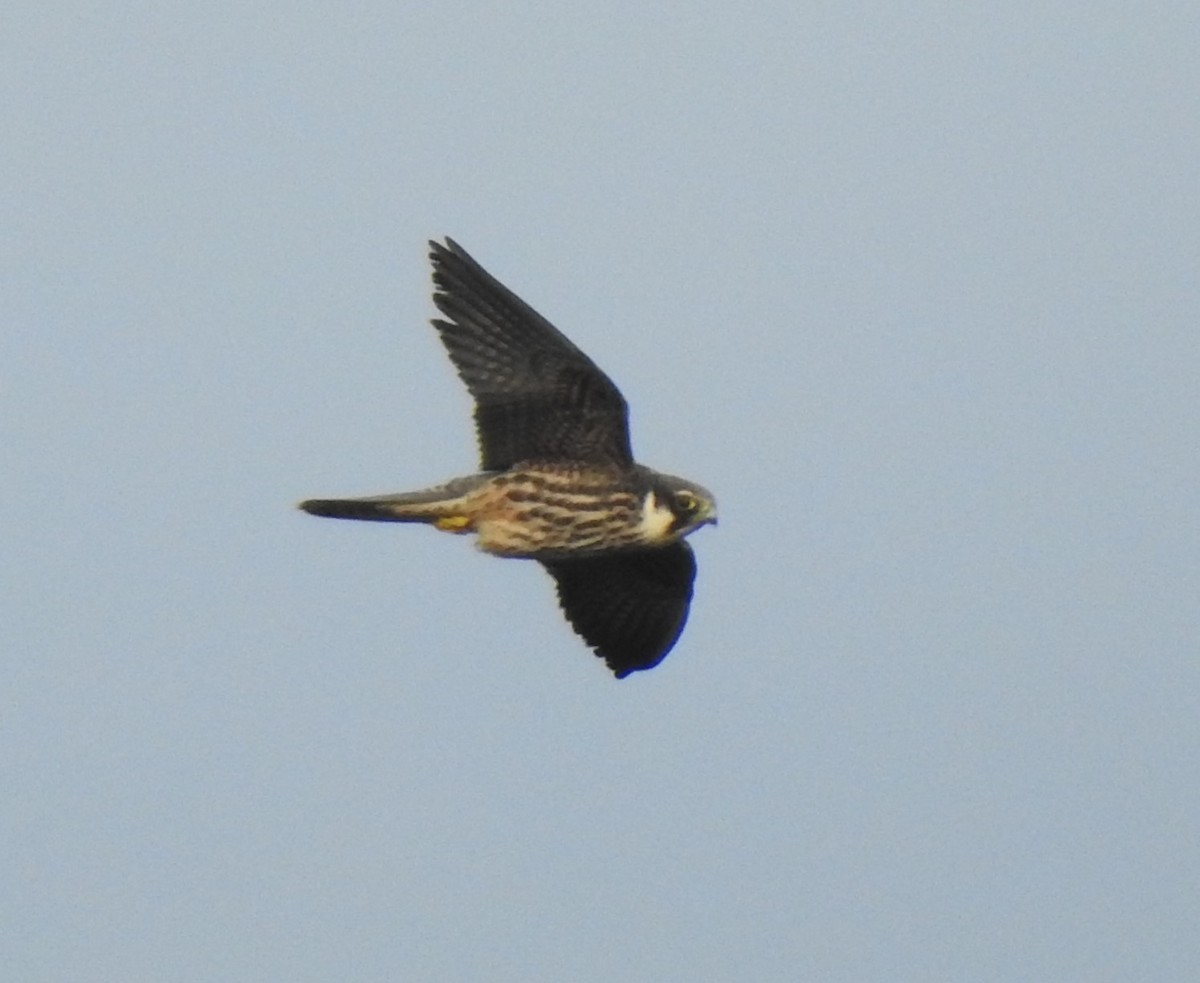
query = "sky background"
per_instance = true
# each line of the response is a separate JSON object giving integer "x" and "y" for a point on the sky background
{"x": 913, "y": 288}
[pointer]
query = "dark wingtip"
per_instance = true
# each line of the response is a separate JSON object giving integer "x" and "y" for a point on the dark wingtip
{"x": 447, "y": 247}
{"x": 623, "y": 669}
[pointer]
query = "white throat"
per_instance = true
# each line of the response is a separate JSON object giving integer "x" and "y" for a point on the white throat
{"x": 657, "y": 519}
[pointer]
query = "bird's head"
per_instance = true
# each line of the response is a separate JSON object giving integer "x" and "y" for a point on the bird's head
{"x": 674, "y": 507}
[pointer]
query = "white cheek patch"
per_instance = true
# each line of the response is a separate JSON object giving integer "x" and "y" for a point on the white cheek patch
{"x": 656, "y": 519}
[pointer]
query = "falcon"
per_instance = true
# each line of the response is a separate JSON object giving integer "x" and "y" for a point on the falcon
{"x": 557, "y": 480}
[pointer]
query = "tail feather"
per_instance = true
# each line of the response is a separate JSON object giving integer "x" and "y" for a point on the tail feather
{"x": 428, "y": 505}
{"x": 385, "y": 508}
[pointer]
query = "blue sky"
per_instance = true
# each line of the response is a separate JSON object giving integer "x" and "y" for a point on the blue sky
{"x": 911, "y": 288}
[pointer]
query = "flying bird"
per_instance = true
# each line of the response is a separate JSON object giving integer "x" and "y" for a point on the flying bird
{"x": 558, "y": 482}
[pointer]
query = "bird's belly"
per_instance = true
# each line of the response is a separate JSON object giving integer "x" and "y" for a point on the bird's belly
{"x": 545, "y": 525}
{"x": 533, "y": 537}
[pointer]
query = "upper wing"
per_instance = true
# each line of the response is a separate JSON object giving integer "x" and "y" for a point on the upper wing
{"x": 537, "y": 396}
{"x": 631, "y": 605}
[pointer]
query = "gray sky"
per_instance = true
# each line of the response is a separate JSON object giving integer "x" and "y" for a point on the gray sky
{"x": 913, "y": 288}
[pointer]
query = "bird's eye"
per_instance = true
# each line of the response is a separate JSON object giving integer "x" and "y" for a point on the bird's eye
{"x": 686, "y": 501}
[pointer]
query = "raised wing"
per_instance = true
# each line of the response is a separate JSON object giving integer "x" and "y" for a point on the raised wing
{"x": 630, "y": 606}
{"x": 537, "y": 396}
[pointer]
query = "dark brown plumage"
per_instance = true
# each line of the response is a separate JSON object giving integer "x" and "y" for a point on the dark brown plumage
{"x": 559, "y": 483}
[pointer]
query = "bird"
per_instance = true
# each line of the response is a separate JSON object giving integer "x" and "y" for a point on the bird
{"x": 558, "y": 482}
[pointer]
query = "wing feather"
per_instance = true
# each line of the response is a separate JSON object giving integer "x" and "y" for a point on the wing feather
{"x": 630, "y": 606}
{"x": 537, "y": 396}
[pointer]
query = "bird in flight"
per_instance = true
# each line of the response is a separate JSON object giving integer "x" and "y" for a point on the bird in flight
{"x": 558, "y": 482}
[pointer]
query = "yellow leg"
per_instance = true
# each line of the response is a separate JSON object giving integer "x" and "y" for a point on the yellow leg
{"x": 454, "y": 523}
